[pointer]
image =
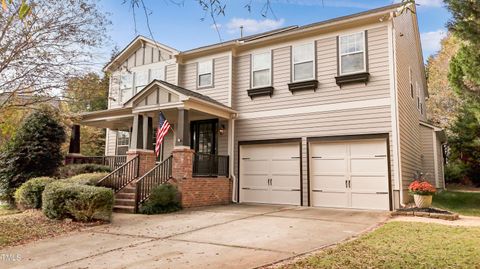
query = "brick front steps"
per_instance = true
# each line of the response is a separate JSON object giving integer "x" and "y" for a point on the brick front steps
{"x": 125, "y": 200}
{"x": 427, "y": 213}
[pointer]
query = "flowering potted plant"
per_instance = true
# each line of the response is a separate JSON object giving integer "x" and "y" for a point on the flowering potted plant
{"x": 422, "y": 192}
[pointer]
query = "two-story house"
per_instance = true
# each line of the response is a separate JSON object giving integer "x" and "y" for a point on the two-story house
{"x": 330, "y": 114}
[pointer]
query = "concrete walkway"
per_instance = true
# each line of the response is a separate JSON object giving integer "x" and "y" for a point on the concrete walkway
{"x": 464, "y": 221}
{"x": 234, "y": 236}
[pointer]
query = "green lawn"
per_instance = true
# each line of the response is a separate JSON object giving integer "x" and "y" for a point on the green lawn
{"x": 403, "y": 245}
{"x": 464, "y": 203}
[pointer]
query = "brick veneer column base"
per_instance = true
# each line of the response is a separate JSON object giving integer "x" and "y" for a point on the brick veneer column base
{"x": 204, "y": 191}
{"x": 182, "y": 165}
{"x": 147, "y": 160}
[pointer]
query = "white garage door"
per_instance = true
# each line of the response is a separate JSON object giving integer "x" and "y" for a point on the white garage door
{"x": 270, "y": 173}
{"x": 350, "y": 174}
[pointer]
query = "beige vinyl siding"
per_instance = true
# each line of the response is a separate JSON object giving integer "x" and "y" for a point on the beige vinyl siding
{"x": 147, "y": 55}
{"x": 114, "y": 90}
{"x": 408, "y": 114}
{"x": 428, "y": 158}
{"x": 171, "y": 73}
{"x": 326, "y": 62}
{"x": 223, "y": 139}
{"x": 168, "y": 144}
{"x": 188, "y": 76}
{"x": 219, "y": 89}
{"x": 111, "y": 143}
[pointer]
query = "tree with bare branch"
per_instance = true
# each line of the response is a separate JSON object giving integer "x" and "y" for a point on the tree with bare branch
{"x": 44, "y": 43}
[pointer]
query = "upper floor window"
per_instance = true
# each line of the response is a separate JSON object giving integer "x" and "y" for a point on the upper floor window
{"x": 157, "y": 73}
{"x": 303, "y": 62}
{"x": 261, "y": 69}
{"x": 126, "y": 86}
{"x": 352, "y": 53}
{"x": 205, "y": 73}
{"x": 141, "y": 80}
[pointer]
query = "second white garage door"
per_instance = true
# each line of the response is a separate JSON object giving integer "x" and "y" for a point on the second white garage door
{"x": 270, "y": 173}
{"x": 351, "y": 174}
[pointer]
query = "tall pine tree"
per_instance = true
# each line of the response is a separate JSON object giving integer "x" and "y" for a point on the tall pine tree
{"x": 464, "y": 77}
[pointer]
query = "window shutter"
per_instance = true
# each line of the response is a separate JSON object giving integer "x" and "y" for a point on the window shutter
{"x": 366, "y": 50}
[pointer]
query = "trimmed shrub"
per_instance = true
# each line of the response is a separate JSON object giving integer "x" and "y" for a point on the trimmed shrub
{"x": 163, "y": 199}
{"x": 80, "y": 202}
{"x": 86, "y": 179}
{"x": 84, "y": 168}
{"x": 35, "y": 151}
{"x": 29, "y": 194}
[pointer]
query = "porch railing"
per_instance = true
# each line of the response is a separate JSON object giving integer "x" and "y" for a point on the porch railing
{"x": 111, "y": 161}
{"x": 121, "y": 176}
{"x": 210, "y": 165}
{"x": 158, "y": 175}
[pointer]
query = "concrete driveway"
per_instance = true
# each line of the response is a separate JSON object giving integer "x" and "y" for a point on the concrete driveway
{"x": 234, "y": 236}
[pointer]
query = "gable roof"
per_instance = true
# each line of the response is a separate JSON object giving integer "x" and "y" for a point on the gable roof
{"x": 133, "y": 45}
{"x": 176, "y": 89}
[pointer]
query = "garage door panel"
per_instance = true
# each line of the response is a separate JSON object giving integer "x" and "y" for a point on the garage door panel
{"x": 373, "y": 147}
{"x": 328, "y": 150}
{"x": 254, "y": 195}
{"x": 359, "y": 179}
{"x": 370, "y": 201}
{"x": 285, "y": 166}
{"x": 372, "y": 165}
{"x": 330, "y": 199}
{"x": 325, "y": 166}
{"x": 252, "y": 167}
{"x": 275, "y": 168}
{"x": 255, "y": 181}
{"x": 369, "y": 184}
{"x": 285, "y": 181}
{"x": 329, "y": 183}
{"x": 285, "y": 197}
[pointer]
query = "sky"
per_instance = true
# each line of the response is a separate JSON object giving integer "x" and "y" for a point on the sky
{"x": 182, "y": 24}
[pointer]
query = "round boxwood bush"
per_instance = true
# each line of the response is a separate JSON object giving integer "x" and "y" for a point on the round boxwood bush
{"x": 29, "y": 194}
{"x": 80, "y": 202}
{"x": 163, "y": 199}
{"x": 77, "y": 169}
{"x": 86, "y": 179}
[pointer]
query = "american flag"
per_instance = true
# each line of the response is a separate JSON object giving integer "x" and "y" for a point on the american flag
{"x": 162, "y": 130}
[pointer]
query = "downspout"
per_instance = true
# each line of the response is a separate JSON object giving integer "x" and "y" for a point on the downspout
{"x": 231, "y": 151}
{"x": 394, "y": 110}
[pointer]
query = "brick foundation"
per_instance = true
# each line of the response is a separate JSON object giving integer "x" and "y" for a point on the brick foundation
{"x": 147, "y": 160}
{"x": 204, "y": 191}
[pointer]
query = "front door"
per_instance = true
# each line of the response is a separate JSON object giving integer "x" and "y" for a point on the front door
{"x": 204, "y": 142}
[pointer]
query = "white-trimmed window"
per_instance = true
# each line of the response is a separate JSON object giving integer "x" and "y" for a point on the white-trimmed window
{"x": 261, "y": 69}
{"x": 418, "y": 95}
{"x": 303, "y": 62}
{"x": 157, "y": 73}
{"x": 141, "y": 80}
{"x": 126, "y": 86}
{"x": 205, "y": 73}
{"x": 352, "y": 53}
{"x": 123, "y": 140}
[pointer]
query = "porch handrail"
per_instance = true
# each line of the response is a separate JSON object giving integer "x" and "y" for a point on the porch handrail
{"x": 112, "y": 161}
{"x": 158, "y": 175}
{"x": 210, "y": 165}
{"x": 122, "y": 176}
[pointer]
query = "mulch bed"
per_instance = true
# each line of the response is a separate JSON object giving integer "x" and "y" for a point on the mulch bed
{"x": 430, "y": 212}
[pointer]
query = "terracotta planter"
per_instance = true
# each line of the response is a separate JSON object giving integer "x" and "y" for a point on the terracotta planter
{"x": 423, "y": 201}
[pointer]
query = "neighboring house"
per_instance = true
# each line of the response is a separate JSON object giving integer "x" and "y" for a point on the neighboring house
{"x": 330, "y": 114}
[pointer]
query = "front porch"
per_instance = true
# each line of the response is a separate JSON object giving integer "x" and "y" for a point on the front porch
{"x": 195, "y": 154}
